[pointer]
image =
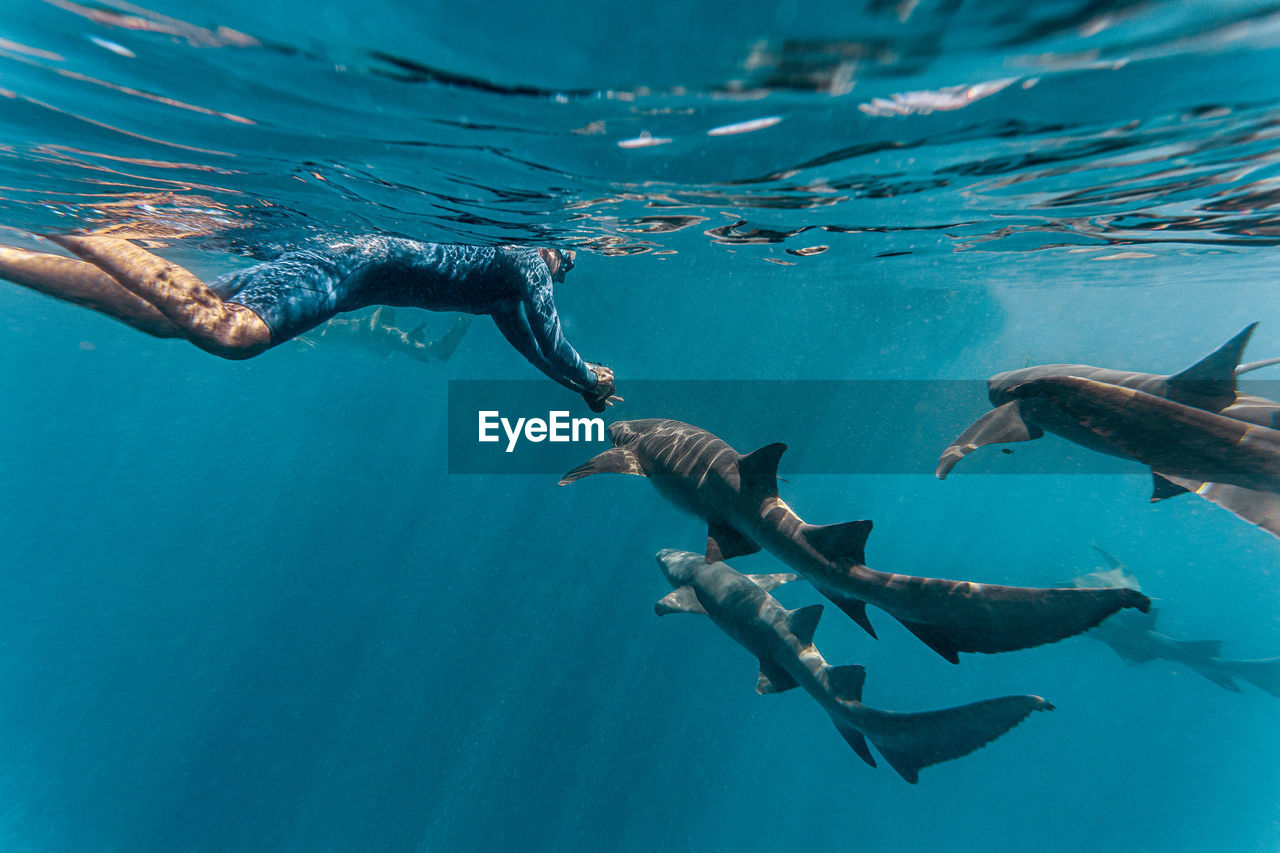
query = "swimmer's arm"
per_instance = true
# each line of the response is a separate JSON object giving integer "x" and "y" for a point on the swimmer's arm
{"x": 515, "y": 327}
{"x": 540, "y": 310}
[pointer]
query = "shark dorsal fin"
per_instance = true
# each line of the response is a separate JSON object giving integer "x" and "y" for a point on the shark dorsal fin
{"x": 1110, "y": 558}
{"x": 842, "y": 544}
{"x": 758, "y": 470}
{"x": 773, "y": 678}
{"x": 846, "y": 681}
{"x": 804, "y": 622}
{"x": 1213, "y": 376}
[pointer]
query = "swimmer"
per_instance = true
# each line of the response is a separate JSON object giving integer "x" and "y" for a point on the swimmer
{"x": 379, "y": 333}
{"x": 244, "y": 313}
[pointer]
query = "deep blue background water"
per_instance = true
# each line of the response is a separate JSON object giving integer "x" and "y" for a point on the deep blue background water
{"x": 245, "y": 607}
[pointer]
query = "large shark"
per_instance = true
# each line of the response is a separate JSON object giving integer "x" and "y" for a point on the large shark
{"x": 738, "y": 497}
{"x": 1035, "y": 400}
{"x": 741, "y": 606}
{"x": 1134, "y": 639}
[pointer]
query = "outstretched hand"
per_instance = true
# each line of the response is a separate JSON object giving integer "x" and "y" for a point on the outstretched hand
{"x": 602, "y": 395}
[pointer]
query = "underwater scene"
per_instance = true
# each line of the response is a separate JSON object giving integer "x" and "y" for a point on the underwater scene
{"x": 678, "y": 426}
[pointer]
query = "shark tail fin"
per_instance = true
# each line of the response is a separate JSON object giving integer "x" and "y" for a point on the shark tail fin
{"x": 1263, "y": 674}
{"x": 967, "y": 617}
{"x": 911, "y": 742}
{"x": 447, "y": 345}
{"x": 1213, "y": 376}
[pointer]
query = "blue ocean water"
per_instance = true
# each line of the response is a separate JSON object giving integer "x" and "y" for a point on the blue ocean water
{"x": 246, "y": 607}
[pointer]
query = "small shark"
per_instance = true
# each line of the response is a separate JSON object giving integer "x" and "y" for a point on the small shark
{"x": 1134, "y": 639}
{"x": 1033, "y": 400}
{"x": 378, "y": 333}
{"x": 741, "y": 606}
{"x": 738, "y": 497}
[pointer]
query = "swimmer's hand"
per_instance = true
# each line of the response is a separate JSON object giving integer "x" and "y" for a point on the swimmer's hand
{"x": 602, "y": 395}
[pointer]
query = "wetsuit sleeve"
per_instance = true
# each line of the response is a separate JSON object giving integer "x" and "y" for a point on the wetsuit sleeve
{"x": 514, "y": 325}
{"x": 533, "y": 327}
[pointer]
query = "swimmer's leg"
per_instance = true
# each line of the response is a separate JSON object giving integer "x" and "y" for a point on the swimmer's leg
{"x": 201, "y": 316}
{"x": 82, "y": 284}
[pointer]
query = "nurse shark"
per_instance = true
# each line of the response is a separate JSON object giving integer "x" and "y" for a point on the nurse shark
{"x": 738, "y": 497}
{"x": 1194, "y": 428}
{"x": 1134, "y": 639}
{"x": 782, "y": 640}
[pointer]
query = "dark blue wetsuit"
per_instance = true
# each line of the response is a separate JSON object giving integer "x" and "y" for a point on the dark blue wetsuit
{"x": 301, "y": 289}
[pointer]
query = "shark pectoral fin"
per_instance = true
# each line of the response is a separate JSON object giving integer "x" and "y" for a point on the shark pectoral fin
{"x": 725, "y": 543}
{"x": 1001, "y": 425}
{"x": 771, "y": 582}
{"x": 1133, "y": 657}
{"x": 803, "y": 622}
{"x": 1256, "y": 365}
{"x": 854, "y": 738}
{"x": 617, "y": 460}
{"x": 1255, "y": 507}
{"x": 773, "y": 678}
{"x": 758, "y": 470}
{"x": 1210, "y": 383}
{"x": 842, "y": 544}
{"x": 1163, "y": 488}
{"x": 856, "y": 610}
{"x": 680, "y": 600}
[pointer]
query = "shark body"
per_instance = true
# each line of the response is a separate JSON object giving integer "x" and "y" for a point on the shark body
{"x": 782, "y": 640}
{"x": 738, "y": 497}
{"x": 1193, "y": 428}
